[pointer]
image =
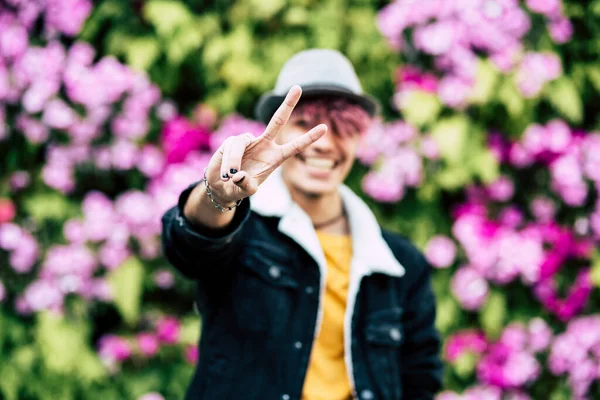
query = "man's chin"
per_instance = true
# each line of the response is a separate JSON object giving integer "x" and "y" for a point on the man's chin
{"x": 316, "y": 190}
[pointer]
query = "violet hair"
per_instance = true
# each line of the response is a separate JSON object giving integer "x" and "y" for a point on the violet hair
{"x": 342, "y": 116}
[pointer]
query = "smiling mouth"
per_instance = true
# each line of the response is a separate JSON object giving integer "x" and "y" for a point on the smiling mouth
{"x": 326, "y": 164}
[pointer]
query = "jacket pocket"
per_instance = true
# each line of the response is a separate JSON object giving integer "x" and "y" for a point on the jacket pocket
{"x": 384, "y": 336}
{"x": 264, "y": 289}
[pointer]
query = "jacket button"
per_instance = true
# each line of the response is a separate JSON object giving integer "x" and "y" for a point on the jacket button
{"x": 274, "y": 271}
{"x": 395, "y": 334}
{"x": 366, "y": 395}
{"x": 298, "y": 345}
{"x": 285, "y": 397}
{"x": 309, "y": 290}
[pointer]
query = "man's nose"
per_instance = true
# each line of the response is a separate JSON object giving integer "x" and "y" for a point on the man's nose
{"x": 325, "y": 143}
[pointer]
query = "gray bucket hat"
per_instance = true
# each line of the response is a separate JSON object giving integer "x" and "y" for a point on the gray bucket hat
{"x": 318, "y": 72}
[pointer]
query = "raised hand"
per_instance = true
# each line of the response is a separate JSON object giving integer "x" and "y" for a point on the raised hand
{"x": 243, "y": 162}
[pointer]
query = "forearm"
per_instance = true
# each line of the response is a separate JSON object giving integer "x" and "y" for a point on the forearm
{"x": 201, "y": 212}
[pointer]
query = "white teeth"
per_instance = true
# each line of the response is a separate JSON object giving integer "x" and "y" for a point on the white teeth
{"x": 323, "y": 163}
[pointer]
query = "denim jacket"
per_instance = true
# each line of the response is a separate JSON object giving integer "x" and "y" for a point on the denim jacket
{"x": 260, "y": 290}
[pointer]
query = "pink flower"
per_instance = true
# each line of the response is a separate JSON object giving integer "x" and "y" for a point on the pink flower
{"x": 151, "y": 396}
{"x": 58, "y": 115}
{"x": 561, "y": 30}
{"x": 13, "y": 38}
{"x": 440, "y": 251}
{"x": 43, "y": 295}
{"x": 124, "y": 154}
{"x": 436, "y": 38}
{"x": 7, "y": 211}
{"x": 447, "y": 395}
{"x": 234, "y": 125}
{"x": 114, "y": 349}
{"x": 151, "y": 161}
{"x": 502, "y": 189}
{"x": 147, "y": 343}
{"x": 19, "y": 180}
{"x": 112, "y": 255}
{"x": 180, "y": 137}
{"x": 67, "y": 16}
{"x": 543, "y": 209}
{"x": 168, "y": 330}
{"x": 382, "y": 187}
{"x": 540, "y": 335}
{"x": 535, "y": 70}
{"x": 163, "y": 279}
{"x": 482, "y": 392}
{"x": 74, "y": 231}
{"x": 550, "y": 8}
{"x": 469, "y": 288}
{"x": 454, "y": 91}
{"x": 35, "y": 131}
{"x": 191, "y": 354}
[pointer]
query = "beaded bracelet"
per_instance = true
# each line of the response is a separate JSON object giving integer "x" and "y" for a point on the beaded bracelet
{"x": 215, "y": 203}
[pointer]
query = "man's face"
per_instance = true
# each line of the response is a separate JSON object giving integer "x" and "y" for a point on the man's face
{"x": 323, "y": 166}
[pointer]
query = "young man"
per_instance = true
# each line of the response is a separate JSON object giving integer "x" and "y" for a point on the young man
{"x": 302, "y": 295}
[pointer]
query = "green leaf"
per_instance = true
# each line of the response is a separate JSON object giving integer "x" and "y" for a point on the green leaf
{"x": 48, "y": 206}
{"x": 510, "y": 97}
{"x": 142, "y": 52}
{"x": 447, "y": 314}
{"x": 486, "y": 79}
{"x": 453, "y": 177}
{"x": 126, "y": 284}
{"x": 190, "y": 330}
{"x": 421, "y": 108}
{"x": 265, "y": 9}
{"x": 485, "y": 165}
{"x": 595, "y": 271}
{"x": 10, "y": 382}
{"x": 564, "y": 96}
{"x": 593, "y": 73}
{"x": 167, "y": 16}
{"x": 464, "y": 366}
{"x": 64, "y": 348}
{"x": 493, "y": 314}
{"x": 451, "y": 135}
{"x": 186, "y": 40}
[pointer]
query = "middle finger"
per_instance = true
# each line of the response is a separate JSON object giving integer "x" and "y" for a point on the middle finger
{"x": 283, "y": 113}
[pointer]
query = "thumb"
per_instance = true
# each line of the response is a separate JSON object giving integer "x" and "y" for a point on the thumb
{"x": 246, "y": 182}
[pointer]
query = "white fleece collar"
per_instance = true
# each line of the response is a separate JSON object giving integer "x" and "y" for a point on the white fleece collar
{"x": 371, "y": 252}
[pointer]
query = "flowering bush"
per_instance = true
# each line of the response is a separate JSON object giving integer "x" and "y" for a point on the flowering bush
{"x": 486, "y": 156}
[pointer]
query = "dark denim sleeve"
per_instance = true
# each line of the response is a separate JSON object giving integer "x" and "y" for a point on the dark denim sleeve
{"x": 200, "y": 253}
{"x": 422, "y": 366}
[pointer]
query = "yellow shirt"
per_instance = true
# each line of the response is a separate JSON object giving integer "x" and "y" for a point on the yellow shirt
{"x": 327, "y": 377}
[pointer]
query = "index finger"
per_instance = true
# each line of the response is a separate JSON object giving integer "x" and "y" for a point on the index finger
{"x": 281, "y": 116}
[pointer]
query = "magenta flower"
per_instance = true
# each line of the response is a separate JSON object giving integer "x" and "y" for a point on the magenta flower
{"x": 465, "y": 341}
{"x": 114, "y": 349}
{"x": 234, "y": 125}
{"x": 191, "y": 354}
{"x": 469, "y": 288}
{"x": 440, "y": 251}
{"x": 43, "y": 295}
{"x": 180, "y": 137}
{"x": 535, "y": 70}
{"x": 502, "y": 189}
{"x": 151, "y": 161}
{"x": 147, "y": 343}
{"x": 540, "y": 335}
{"x": 7, "y": 210}
{"x": 168, "y": 330}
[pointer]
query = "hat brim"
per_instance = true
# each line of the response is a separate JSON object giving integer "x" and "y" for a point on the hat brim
{"x": 269, "y": 102}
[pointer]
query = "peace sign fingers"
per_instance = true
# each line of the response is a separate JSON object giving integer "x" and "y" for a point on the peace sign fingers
{"x": 300, "y": 143}
{"x": 282, "y": 115}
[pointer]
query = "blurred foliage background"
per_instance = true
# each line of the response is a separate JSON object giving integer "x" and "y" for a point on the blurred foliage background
{"x": 486, "y": 155}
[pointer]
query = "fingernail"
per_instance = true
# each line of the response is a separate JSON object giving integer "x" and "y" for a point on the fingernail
{"x": 225, "y": 176}
{"x": 233, "y": 171}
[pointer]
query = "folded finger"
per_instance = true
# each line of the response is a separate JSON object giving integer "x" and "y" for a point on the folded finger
{"x": 236, "y": 152}
{"x": 282, "y": 115}
{"x": 247, "y": 183}
{"x": 226, "y": 148}
{"x": 302, "y": 142}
